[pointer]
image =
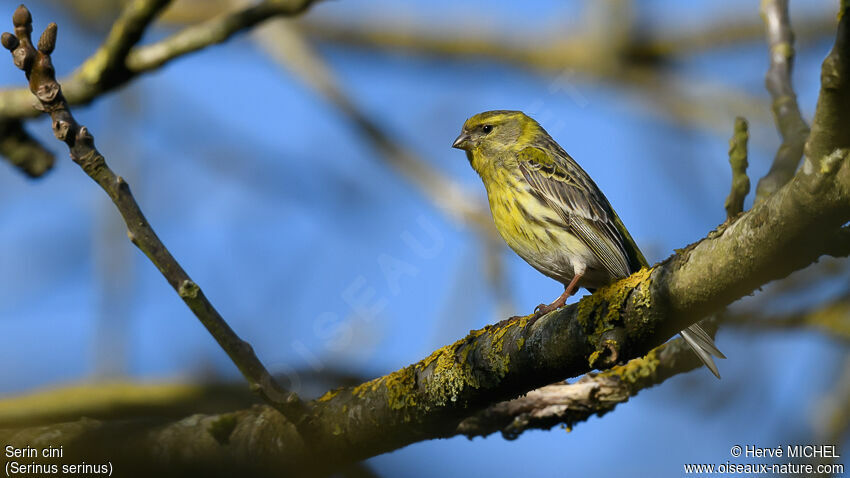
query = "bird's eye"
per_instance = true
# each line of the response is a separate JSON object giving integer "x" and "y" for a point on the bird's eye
{"x": 487, "y": 128}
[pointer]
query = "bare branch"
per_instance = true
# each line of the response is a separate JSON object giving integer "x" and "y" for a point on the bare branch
{"x": 38, "y": 67}
{"x": 786, "y": 111}
{"x": 738, "y": 160}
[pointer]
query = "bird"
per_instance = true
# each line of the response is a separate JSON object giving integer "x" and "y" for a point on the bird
{"x": 551, "y": 213}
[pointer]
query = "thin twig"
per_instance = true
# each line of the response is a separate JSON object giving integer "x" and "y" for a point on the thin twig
{"x": 738, "y": 160}
{"x": 37, "y": 65}
{"x": 786, "y": 112}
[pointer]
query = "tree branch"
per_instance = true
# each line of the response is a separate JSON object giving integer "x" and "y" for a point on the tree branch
{"x": 594, "y": 394}
{"x": 831, "y": 124}
{"x": 738, "y": 160}
{"x": 38, "y": 67}
{"x": 786, "y": 111}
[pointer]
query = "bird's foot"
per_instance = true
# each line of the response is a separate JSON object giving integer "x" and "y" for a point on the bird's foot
{"x": 539, "y": 311}
{"x": 544, "y": 309}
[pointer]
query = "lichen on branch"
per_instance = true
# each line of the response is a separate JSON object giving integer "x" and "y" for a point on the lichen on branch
{"x": 738, "y": 160}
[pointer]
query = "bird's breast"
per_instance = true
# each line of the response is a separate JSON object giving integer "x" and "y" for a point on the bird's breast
{"x": 535, "y": 231}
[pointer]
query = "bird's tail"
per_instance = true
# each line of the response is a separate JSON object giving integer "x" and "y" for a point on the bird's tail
{"x": 703, "y": 346}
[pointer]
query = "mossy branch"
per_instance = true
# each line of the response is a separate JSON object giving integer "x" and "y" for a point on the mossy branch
{"x": 786, "y": 111}
{"x": 38, "y": 67}
{"x": 594, "y": 394}
{"x": 738, "y": 160}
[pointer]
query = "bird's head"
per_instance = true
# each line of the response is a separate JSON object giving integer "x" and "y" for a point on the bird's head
{"x": 487, "y": 136}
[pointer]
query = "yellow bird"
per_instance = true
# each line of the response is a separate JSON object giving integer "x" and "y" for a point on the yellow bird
{"x": 552, "y": 214}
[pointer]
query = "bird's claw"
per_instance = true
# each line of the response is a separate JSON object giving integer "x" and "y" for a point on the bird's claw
{"x": 542, "y": 309}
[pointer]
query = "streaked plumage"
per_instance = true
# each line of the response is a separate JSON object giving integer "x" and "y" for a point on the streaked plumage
{"x": 551, "y": 213}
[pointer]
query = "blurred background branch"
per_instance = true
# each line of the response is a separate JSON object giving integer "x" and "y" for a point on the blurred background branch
{"x": 640, "y": 60}
{"x": 22, "y": 150}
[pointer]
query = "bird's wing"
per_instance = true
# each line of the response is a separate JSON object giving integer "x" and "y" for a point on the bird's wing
{"x": 556, "y": 179}
{"x": 636, "y": 258}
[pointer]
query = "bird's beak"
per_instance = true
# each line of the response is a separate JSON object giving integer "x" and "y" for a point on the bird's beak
{"x": 462, "y": 141}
